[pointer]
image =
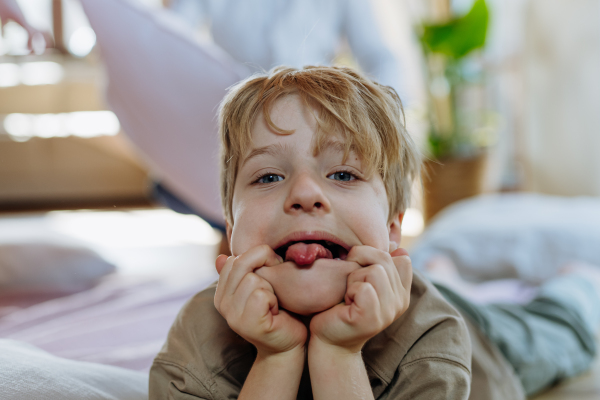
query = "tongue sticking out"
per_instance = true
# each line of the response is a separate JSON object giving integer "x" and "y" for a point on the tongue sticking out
{"x": 306, "y": 254}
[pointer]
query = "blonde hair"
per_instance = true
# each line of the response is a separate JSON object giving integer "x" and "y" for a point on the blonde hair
{"x": 367, "y": 115}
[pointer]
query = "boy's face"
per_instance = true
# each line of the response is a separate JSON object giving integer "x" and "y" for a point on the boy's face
{"x": 311, "y": 209}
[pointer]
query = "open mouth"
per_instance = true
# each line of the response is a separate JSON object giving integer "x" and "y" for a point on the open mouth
{"x": 308, "y": 251}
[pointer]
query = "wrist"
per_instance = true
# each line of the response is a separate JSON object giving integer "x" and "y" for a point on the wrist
{"x": 286, "y": 358}
{"x": 320, "y": 348}
{"x": 274, "y": 375}
{"x": 332, "y": 367}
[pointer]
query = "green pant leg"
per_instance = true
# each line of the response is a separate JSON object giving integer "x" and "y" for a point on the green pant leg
{"x": 547, "y": 340}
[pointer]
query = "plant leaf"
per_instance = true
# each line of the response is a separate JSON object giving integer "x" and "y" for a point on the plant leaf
{"x": 460, "y": 36}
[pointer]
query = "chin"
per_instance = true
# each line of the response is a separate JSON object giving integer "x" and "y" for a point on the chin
{"x": 310, "y": 289}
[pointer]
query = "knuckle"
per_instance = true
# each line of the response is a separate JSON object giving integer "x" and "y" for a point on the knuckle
{"x": 380, "y": 321}
{"x": 406, "y": 261}
{"x": 264, "y": 247}
{"x": 233, "y": 324}
{"x": 354, "y": 250}
{"x": 363, "y": 287}
{"x": 259, "y": 295}
{"x": 224, "y": 311}
{"x": 384, "y": 254}
{"x": 378, "y": 268}
{"x": 390, "y": 316}
{"x": 252, "y": 279}
{"x": 406, "y": 304}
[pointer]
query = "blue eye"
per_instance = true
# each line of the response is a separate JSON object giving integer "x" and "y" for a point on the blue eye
{"x": 270, "y": 178}
{"x": 343, "y": 176}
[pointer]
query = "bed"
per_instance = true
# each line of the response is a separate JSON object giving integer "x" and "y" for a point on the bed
{"x": 95, "y": 293}
{"x": 129, "y": 272}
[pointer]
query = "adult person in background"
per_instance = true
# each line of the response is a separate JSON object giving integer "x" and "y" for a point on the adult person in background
{"x": 265, "y": 33}
{"x": 165, "y": 87}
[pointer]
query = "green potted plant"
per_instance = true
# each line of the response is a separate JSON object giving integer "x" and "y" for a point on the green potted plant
{"x": 460, "y": 126}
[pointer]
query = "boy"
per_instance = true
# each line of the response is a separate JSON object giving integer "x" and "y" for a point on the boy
{"x": 317, "y": 301}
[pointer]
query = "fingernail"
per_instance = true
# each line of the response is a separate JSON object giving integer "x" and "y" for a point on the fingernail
{"x": 393, "y": 246}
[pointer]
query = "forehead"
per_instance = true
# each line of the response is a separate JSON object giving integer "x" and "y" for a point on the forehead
{"x": 291, "y": 113}
{"x": 288, "y": 113}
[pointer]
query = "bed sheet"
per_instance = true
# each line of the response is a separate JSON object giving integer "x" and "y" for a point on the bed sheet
{"x": 123, "y": 321}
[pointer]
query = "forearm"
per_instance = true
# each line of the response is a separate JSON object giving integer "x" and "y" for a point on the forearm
{"x": 336, "y": 373}
{"x": 274, "y": 377}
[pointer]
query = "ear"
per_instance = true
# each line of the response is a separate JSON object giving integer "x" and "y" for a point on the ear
{"x": 395, "y": 229}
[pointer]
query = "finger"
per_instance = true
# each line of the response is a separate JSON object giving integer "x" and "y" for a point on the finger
{"x": 220, "y": 263}
{"x": 224, "y": 273}
{"x": 399, "y": 252}
{"x": 362, "y": 299}
{"x": 49, "y": 39}
{"x": 249, "y": 261}
{"x": 259, "y": 303}
{"x": 250, "y": 283}
{"x": 226, "y": 270}
{"x": 367, "y": 255}
{"x": 403, "y": 265}
{"x": 37, "y": 43}
{"x": 377, "y": 276}
{"x": 393, "y": 246}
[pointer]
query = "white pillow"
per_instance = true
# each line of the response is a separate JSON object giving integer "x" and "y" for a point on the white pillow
{"x": 526, "y": 236}
{"x": 33, "y": 256}
{"x": 27, "y": 372}
{"x": 49, "y": 265}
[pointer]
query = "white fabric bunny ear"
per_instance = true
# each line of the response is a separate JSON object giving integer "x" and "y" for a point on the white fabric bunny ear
{"x": 165, "y": 89}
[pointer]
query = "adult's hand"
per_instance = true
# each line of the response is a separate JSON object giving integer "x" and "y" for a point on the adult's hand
{"x": 10, "y": 10}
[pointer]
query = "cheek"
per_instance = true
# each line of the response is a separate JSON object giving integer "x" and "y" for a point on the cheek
{"x": 251, "y": 221}
{"x": 372, "y": 230}
{"x": 367, "y": 216}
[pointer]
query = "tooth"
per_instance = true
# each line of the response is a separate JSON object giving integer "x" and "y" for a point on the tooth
{"x": 338, "y": 259}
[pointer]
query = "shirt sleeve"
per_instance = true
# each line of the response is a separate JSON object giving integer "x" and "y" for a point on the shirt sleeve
{"x": 430, "y": 379}
{"x": 171, "y": 381}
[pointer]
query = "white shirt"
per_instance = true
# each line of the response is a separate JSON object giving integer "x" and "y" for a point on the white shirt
{"x": 266, "y": 33}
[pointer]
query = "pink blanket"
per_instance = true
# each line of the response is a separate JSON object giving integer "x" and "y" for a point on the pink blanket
{"x": 123, "y": 321}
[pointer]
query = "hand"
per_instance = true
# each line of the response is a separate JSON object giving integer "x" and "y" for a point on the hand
{"x": 376, "y": 295}
{"x": 250, "y": 306}
{"x": 10, "y": 10}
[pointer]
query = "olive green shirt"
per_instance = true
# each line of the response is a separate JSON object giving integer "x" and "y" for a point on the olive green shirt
{"x": 424, "y": 354}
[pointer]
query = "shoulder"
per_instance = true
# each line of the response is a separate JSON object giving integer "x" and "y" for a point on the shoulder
{"x": 430, "y": 341}
{"x": 202, "y": 355}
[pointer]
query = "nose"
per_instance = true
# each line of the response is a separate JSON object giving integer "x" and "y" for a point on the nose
{"x": 306, "y": 196}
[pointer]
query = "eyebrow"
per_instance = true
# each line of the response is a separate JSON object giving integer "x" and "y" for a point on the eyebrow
{"x": 278, "y": 149}
{"x": 272, "y": 150}
{"x": 335, "y": 145}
